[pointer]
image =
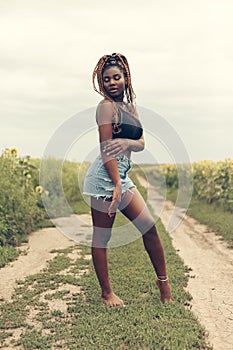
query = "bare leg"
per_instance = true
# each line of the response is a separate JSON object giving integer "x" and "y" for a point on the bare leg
{"x": 102, "y": 226}
{"x": 137, "y": 212}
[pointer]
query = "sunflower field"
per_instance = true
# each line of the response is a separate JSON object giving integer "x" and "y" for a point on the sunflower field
{"x": 19, "y": 212}
{"x": 22, "y": 196}
{"x": 212, "y": 181}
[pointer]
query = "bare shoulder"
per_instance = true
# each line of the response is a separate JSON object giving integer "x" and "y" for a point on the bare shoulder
{"x": 104, "y": 111}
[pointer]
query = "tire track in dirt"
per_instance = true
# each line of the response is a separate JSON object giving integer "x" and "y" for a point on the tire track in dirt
{"x": 212, "y": 269}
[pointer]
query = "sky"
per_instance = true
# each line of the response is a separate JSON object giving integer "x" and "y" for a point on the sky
{"x": 181, "y": 60}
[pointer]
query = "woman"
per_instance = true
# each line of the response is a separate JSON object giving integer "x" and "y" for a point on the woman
{"x": 107, "y": 182}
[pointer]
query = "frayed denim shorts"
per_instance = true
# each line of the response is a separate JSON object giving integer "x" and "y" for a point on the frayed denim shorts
{"x": 98, "y": 183}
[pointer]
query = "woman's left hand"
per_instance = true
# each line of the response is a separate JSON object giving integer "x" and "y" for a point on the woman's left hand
{"x": 116, "y": 147}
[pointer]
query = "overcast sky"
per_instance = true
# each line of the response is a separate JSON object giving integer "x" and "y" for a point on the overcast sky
{"x": 180, "y": 54}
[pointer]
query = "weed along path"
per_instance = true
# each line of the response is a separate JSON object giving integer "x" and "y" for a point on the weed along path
{"x": 211, "y": 276}
{"x": 35, "y": 255}
{"x": 37, "y": 252}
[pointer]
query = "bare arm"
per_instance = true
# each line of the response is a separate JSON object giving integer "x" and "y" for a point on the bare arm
{"x": 104, "y": 120}
{"x": 136, "y": 145}
{"x": 118, "y": 146}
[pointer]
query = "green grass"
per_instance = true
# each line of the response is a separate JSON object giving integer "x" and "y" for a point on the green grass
{"x": 7, "y": 254}
{"x": 212, "y": 215}
{"x": 60, "y": 306}
{"x": 85, "y": 323}
{"x": 10, "y": 253}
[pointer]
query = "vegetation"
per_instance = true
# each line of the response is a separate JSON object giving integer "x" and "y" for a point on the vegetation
{"x": 214, "y": 216}
{"x": 212, "y": 181}
{"x": 212, "y": 197}
{"x": 19, "y": 212}
{"x": 60, "y": 306}
{"x": 26, "y": 205}
{"x": 78, "y": 321}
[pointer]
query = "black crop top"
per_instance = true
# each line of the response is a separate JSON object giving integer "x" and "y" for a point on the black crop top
{"x": 129, "y": 127}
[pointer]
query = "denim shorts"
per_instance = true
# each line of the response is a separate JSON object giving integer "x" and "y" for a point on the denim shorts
{"x": 98, "y": 183}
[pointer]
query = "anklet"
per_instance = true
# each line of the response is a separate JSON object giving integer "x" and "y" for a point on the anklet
{"x": 162, "y": 278}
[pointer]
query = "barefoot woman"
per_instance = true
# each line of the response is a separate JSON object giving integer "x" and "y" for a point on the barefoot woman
{"x": 107, "y": 182}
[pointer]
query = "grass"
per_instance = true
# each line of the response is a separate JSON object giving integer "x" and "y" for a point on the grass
{"x": 60, "y": 307}
{"x": 7, "y": 254}
{"x": 10, "y": 253}
{"x": 212, "y": 215}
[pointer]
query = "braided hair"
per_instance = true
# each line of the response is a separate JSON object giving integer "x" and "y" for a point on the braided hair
{"x": 120, "y": 61}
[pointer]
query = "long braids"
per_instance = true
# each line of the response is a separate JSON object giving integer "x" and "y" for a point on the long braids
{"x": 116, "y": 59}
{"x": 98, "y": 72}
{"x": 119, "y": 60}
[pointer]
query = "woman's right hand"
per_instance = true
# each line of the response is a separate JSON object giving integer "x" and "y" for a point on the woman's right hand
{"x": 116, "y": 199}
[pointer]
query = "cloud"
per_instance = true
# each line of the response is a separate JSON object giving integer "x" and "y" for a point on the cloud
{"x": 179, "y": 54}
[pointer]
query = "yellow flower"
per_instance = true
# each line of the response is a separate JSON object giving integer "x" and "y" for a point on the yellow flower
{"x": 28, "y": 176}
{"x": 14, "y": 152}
{"x": 39, "y": 189}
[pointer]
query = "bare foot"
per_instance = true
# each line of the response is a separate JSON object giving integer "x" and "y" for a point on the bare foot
{"x": 112, "y": 300}
{"x": 165, "y": 291}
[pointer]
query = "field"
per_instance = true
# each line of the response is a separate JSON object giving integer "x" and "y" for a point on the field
{"x": 83, "y": 323}
{"x": 211, "y": 200}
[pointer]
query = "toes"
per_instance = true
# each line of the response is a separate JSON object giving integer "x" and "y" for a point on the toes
{"x": 113, "y": 302}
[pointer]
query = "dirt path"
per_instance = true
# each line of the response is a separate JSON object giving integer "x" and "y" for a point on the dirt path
{"x": 212, "y": 270}
{"x": 38, "y": 251}
{"x": 208, "y": 257}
